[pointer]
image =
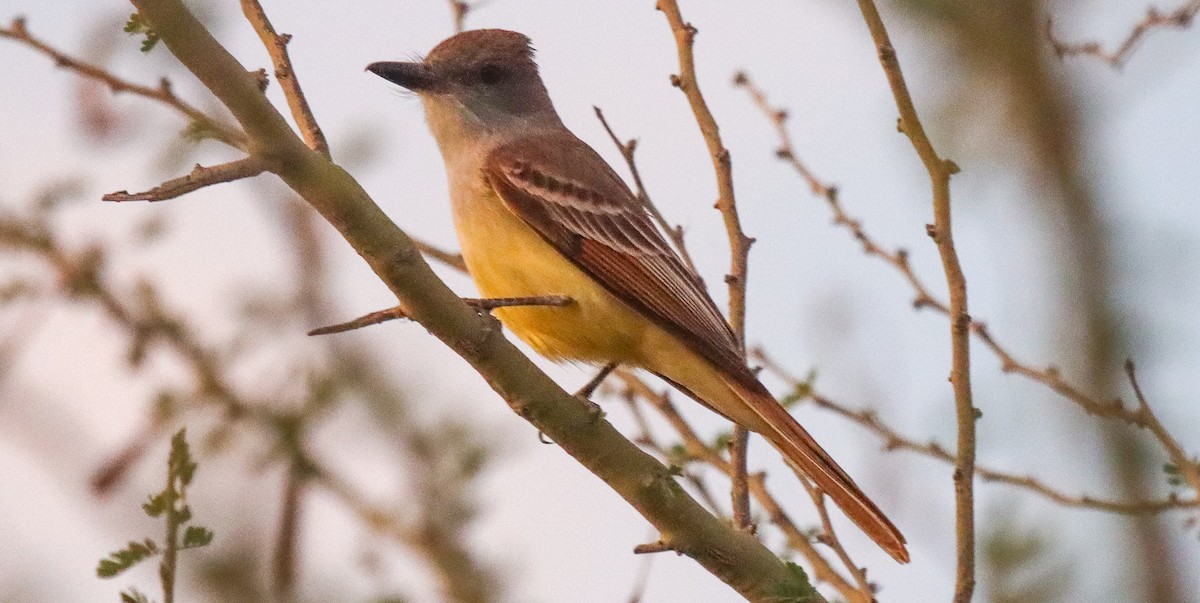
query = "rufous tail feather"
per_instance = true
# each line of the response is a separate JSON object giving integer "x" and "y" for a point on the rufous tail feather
{"x": 807, "y": 457}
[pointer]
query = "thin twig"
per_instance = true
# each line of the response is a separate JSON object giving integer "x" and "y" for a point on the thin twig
{"x": 645, "y": 437}
{"x": 449, "y": 258}
{"x": 228, "y": 134}
{"x": 276, "y": 45}
{"x": 697, "y": 449}
{"x": 739, "y": 243}
{"x": 482, "y": 305}
{"x": 1181, "y": 17}
{"x": 284, "y": 558}
{"x": 199, "y": 178}
{"x": 894, "y": 440}
{"x": 1187, "y": 467}
{"x": 458, "y": 11}
{"x": 829, "y": 537}
{"x": 898, "y": 259}
{"x": 1049, "y": 376}
{"x": 627, "y": 149}
{"x": 940, "y": 170}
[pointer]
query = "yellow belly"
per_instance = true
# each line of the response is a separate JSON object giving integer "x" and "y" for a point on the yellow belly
{"x": 507, "y": 258}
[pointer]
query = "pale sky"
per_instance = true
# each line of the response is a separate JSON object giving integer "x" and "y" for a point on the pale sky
{"x": 815, "y": 299}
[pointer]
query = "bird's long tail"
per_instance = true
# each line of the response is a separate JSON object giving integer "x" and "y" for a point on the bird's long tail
{"x": 807, "y": 457}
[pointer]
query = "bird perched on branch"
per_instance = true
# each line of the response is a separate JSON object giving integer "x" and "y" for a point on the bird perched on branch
{"x": 538, "y": 212}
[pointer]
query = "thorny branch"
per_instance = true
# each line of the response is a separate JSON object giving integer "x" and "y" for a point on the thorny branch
{"x": 219, "y": 130}
{"x": 1181, "y": 17}
{"x": 739, "y": 243}
{"x": 228, "y": 134}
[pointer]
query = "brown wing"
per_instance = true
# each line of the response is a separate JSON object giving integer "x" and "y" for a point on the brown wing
{"x": 558, "y": 185}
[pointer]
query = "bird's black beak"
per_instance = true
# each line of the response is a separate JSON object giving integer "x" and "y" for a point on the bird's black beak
{"x": 417, "y": 77}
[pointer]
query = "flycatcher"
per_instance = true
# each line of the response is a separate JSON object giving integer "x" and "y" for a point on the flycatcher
{"x": 538, "y": 212}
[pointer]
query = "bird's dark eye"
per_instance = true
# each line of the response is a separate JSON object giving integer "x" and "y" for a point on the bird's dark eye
{"x": 491, "y": 74}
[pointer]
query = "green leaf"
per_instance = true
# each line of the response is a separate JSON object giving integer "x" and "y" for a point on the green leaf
{"x": 134, "y": 595}
{"x": 196, "y": 536}
{"x": 180, "y": 462}
{"x": 126, "y": 558}
{"x": 723, "y": 441}
{"x": 802, "y": 391}
{"x": 156, "y": 504}
{"x": 136, "y": 25}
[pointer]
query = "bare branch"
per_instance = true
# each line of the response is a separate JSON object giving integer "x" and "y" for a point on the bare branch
{"x": 1180, "y": 18}
{"x": 449, "y": 258}
{"x": 199, "y": 178}
{"x": 829, "y": 537}
{"x": 483, "y": 305}
{"x": 697, "y": 449}
{"x": 459, "y": 10}
{"x": 739, "y": 243}
{"x": 163, "y": 93}
{"x": 1049, "y": 376}
{"x": 276, "y": 45}
{"x": 1188, "y": 468}
{"x": 894, "y": 440}
{"x": 627, "y": 149}
{"x": 940, "y": 170}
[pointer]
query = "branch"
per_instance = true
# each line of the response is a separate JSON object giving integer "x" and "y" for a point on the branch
{"x": 1188, "y": 468}
{"x": 627, "y": 149}
{"x": 739, "y": 243}
{"x": 484, "y": 305}
{"x": 199, "y": 178}
{"x": 829, "y": 537}
{"x": 449, "y": 258}
{"x": 163, "y": 93}
{"x": 276, "y": 45}
{"x": 894, "y": 440}
{"x": 697, "y": 449}
{"x": 1049, "y": 376}
{"x": 1181, "y": 18}
{"x": 898, "y": 259}
{"x": 940, "y": 171}
{"x": 736, "y": 558}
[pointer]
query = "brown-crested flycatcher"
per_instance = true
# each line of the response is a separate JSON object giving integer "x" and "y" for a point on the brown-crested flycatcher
{"x": 538, "y": 212}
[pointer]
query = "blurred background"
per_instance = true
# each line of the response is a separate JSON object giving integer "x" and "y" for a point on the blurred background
{"x": 390, "y": 466}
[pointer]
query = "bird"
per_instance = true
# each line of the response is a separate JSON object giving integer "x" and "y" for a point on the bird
{"x": 538, "y": 212}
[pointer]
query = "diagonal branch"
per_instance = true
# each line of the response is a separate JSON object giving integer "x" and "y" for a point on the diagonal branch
{"x": 696, "y": 448}
{"x": 163, "y": 93}
{"x": 627, "y": 149}
{"x": 199, "y": 178}
{"x": 734, "y": 557}
{"x": 276, "y": 45}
